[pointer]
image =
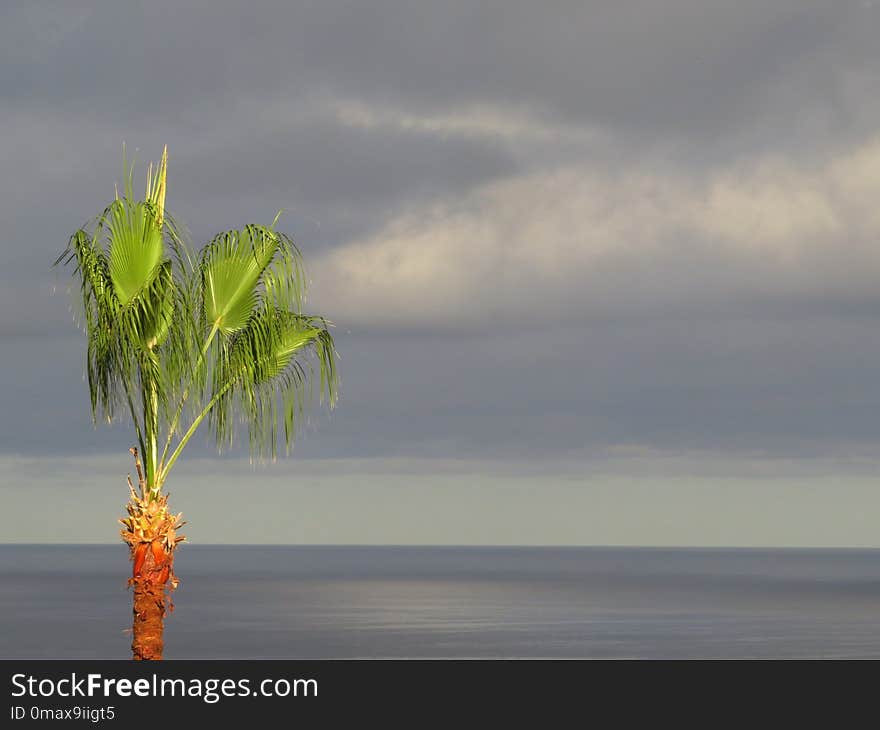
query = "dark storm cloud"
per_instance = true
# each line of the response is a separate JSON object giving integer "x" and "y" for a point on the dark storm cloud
{"x": 680, "y": 67}
{"x": 246, "y": 96}
{"x": 795, "y": 387}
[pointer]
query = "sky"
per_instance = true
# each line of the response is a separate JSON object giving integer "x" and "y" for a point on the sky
{"x": 600, "y": 273}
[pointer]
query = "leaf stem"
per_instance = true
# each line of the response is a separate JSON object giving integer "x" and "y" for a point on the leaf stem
{"x": 176, "y": 420}
{"x": 191, "y": 430}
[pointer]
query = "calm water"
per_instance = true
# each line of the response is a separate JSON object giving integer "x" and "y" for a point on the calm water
{"x": 304, "y": 602}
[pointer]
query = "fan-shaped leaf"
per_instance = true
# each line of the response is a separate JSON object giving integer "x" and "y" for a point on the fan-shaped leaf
{"x": 135, "y": 247}
{"x": 232, "y": 265}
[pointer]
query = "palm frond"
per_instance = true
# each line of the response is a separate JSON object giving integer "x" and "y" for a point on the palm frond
{"x": 219, "y": 337}
{"x": 241, "y": 267}
{"x": 272, "y": 361}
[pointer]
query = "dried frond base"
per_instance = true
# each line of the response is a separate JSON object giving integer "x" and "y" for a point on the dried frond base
{"x": 151, "y": 534}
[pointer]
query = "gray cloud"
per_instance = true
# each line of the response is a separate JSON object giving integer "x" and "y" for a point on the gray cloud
{"x": 682, "y": 67}
{"x": 551, "y": 231}
{"x": 579, "y": 242}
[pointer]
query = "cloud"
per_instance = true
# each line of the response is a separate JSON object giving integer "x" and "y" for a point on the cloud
{"x": 614, "y": 216}
{"x": 512, "y": 124}
{"x": 580, "y": 241}
{"x": 729, "y": 75}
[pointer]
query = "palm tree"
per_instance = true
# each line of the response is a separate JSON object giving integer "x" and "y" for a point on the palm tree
{"x": 176, "y": 340}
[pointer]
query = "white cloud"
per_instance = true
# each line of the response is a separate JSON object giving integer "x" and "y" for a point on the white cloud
{"x": 511, "y": 124}
{"x": 580, "y": 240}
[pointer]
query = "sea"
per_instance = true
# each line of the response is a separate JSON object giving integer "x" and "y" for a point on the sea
{"x": 288, "y": 602}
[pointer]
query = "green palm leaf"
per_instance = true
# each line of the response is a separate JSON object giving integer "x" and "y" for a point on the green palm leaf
{"x": 272, "y": 361}
{"x": 136, "y": 247}
{"x": 241, "y": 266}
{"x": 183, "y": 339}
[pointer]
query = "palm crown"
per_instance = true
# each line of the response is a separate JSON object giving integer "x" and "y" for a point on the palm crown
{"x": 178, "y": 339}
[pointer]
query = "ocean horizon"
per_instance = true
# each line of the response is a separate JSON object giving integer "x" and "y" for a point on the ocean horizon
{"x": 347, "y": 601}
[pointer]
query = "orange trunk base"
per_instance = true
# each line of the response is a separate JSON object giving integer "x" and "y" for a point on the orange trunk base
{"x": 149, "y": 621}
{"x": 150, "y": 578}
{"x": 151, "y": 535}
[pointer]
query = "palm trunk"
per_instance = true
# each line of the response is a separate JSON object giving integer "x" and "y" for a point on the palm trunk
{"x": 151, "y": 537}
{"x": 152, "y": 569}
